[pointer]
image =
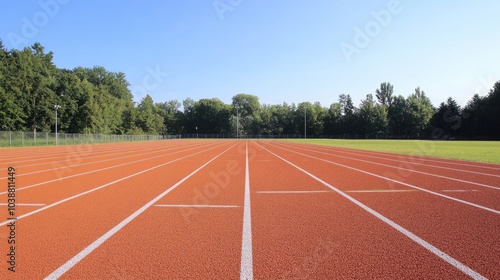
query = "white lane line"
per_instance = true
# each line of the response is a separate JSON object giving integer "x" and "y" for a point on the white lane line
{"x": 414, "y": 163}
{"x": 155, "y": 151}
{"x": 406, "y": 169}
{"x": 447, "y": 258}
{"x": 380, "y": 191}
{"x": 395, "y": 181}
{"x": 78, "y": 257}
{"x": 69, "y": 153}
{"x": 24, "y": 204}
{"x": 246, "y": 268}
{"x": 459, "y": 190}
{"x": 99, "y": 170}
{"x": 403, "y": 156}
{"x": 286, "y": 192}
{"x": 196, "y": 206}
{"x": 102, "y": 186}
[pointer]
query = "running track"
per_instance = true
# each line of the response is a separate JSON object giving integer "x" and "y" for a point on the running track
{"x": 185, "y": 209}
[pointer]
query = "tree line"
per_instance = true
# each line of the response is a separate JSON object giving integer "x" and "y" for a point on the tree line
{"x": 95, "y": 100}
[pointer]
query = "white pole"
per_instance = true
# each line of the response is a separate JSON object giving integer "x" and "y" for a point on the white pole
{"x": 56, "y": 107}
{"x": 305, "y": 131}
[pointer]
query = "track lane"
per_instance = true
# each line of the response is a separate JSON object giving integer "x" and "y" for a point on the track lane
{"x": 60, "y": 232}
{"x": 474, "y": 195}
{"x": 36, "y": 154}
{"x": 204, "y": 244}
{"x": 420, "y": 146}
{"x": 325, "y": 236}
{"x": 412, "y": 164}
{"x": 75, "y": 156}
{"x": 468, "y": 234}
{"x": 318, "y": 234}
{"x": 65, "y": 171}
{"x": 51, "y": 191}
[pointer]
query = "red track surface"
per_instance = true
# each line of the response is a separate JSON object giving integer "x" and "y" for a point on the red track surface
{"x": 184, "y": 210}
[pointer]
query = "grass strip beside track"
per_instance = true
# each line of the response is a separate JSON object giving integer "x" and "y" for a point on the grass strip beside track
{"x": 481, "y": 151}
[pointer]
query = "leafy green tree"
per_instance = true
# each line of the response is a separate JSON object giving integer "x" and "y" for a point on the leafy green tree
{"x": 372, "y": 117}
{"x": 492, "y": 108}
{"x": 384, "y": 94}
{"x": 32, "y": 83}
{"x": 420, "y": 111}
{"x": 349, "y": 118}
{"x": 333, "y": 120}
{"x": 173, "y": 117}
{"x": 474, "y": 118}
{"x": 211, "y": 116}
{"x": 247, "y": 106}
{"x": 447, "y": 118}
{"x": 12, "y": 113}
{"x": 266, "y": 114}
{"x": 149, "y": 118}
{"x": 189, "y": 115}
{"x": 314, "y": 115}
{"x": 398, "y": 117}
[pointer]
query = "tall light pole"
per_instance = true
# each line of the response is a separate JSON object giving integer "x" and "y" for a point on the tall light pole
{"x": 56, "y": 107}
{"x": 305, "y": 123}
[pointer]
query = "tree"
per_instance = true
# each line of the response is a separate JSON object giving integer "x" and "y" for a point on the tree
{"x": 266, "y": 114}
{"x": 492, "y": 108}
{"x": 211, "y": 116}
{"x": 32, "y": 84}
{"x": 384, "y": 94}
{"x": 349, "y": 118}
{"x": 332, "y": 120}
{"x": 172, "y": 116}
{"x": 420, "y": 111}
{"x": 474, "y": 118}
{"x": 447, "y": 119}
{"x": 247, "y": 106}
{"x": 149, "y": 119}
{"x": 372, "y": 117}
{"x": 399, "y": 117}
{"x": 12, "y": 113}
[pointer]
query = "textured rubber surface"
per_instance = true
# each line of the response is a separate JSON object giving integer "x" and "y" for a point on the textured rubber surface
{"x": 175, "y": 210}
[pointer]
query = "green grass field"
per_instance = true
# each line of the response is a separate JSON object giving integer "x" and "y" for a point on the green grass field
{"x": 481, "y": 151}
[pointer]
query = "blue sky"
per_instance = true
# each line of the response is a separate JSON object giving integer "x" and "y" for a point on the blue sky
{"x": 281, "y": 51}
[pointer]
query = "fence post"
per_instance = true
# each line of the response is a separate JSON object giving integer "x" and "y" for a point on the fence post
{"x": 22, "y": 139}
{"x": 10, "y": 138}
{"x": 47, "y": 137}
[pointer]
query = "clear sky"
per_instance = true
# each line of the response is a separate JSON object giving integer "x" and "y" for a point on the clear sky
{"x": 281, "y": 51}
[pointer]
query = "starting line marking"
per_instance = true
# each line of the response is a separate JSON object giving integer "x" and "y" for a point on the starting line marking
{"x": 280, "y": 192}
{"x": 197, "y": 206}
{"x": 459, "y": 190}
{"x": 380, "y": 191}
{"x": 24, "y": 204}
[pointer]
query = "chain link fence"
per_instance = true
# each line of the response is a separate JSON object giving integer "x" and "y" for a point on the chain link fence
{"x": 26, "y": 139}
